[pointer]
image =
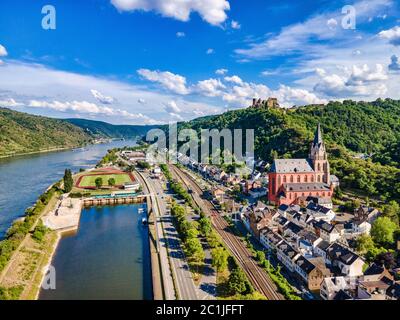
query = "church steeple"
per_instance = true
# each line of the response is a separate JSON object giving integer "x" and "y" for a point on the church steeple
{"x": 319, "y": 158}
{"x": 318, "y": 136}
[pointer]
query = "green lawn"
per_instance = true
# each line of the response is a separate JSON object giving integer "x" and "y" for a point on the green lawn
{"x": 89, "y": 181}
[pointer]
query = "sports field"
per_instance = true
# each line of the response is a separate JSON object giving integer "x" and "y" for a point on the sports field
{"x": 89, "y": 180}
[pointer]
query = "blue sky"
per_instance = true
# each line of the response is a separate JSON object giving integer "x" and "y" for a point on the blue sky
{"x": 155, "y": 61}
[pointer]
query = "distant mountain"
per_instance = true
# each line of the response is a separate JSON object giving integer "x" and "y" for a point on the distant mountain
{"x": 106, "y": 130}
{"x": 22, "y": 133}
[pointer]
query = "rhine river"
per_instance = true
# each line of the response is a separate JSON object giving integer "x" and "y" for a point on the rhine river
{"x": 108, "y": 258}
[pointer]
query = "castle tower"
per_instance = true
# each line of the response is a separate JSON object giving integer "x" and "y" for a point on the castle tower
{"x": 319, "y": 158}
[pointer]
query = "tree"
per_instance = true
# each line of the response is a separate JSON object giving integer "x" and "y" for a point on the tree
{"x": 364, "y": 243}
{"x": 392, "y": 211}
{"x": 194, "y": 249}
{"x": 111, "y": 182}
{"x": 98, "y": 182}
{"x": 382, "y": 231}
{"x": 205, "y": 226}
{"x": 219, "y": 258}
{"x": 261, "y": 256}
{"x": 387, "y": 259}
{"x": 68, "y": 181}
{"x": 237, "y": 281}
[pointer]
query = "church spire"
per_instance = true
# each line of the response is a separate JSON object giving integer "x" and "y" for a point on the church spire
{"x": 318, "y": 136}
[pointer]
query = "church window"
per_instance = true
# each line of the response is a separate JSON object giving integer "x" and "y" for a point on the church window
{"x": 284, "y": 179}
{"x": 291, "y": 179}
{"x": 319, "y": 167}
{"x": 305, "y": 178}
{"x": 319, "y": 178}
{"x": 298, "y": 179}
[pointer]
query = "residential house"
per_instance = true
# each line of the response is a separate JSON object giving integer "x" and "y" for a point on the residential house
{"x": 344, "y": 261}
{"x": 327, "y": 231}
{"x": 365, "y": 213}
{"x": 320, "y": 212}
{"x": 270, "y": 239}
{"x": 312, "y": 272}
{"x": 287, "y": 255}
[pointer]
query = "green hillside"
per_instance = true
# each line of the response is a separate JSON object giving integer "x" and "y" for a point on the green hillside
{"x": 349, "y": 128}
{"x": 22, "y": 132}
{"x": 103, "y": 129}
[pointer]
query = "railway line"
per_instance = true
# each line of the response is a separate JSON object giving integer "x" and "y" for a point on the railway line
{"x": 256, "y": 274}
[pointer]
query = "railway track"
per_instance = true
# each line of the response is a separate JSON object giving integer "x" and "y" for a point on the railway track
{"x": 256, "y": 274}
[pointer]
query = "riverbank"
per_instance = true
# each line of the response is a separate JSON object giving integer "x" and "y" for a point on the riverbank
{"x": 57, "y": 149}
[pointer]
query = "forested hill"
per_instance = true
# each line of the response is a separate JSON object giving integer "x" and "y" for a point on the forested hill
{"x": 103, "y": 129}
{"x": 22, "y": 132}
{"x": 349, "y": 128}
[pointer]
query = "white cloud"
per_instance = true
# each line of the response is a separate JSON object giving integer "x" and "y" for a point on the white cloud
{"x": 84, "y": 107}
{"x": 180, "y": 34}
{"x": 172, "y": 107}
{"x": 235, "y": 25}
{"x": 210, "y": 51}
{"x": 25, "y": 82}
{"x": 3, "y": 51}
{"x": 221, "y": 72}
{"x": 212, "y": 11}
{"x": 393, "y": 35}
{"x": 10, "y": 103}
{"x": 210, "y": 87}
{"x": 288, "y": 96}
{"x": 309, "y": 36}
{"x": 359, "y": 82}
{"x": 102, "y": 98}
{"x": 168, "y": 80}
{"x": 234, "y": 79}
{"x": 362, "y": 75}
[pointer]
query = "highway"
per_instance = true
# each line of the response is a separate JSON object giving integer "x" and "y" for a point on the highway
{"x": 256, "y": 274}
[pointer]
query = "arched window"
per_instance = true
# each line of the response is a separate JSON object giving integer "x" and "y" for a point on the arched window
{"x": 284, "y": 179}
{"x": 323, "y": 194}
{"x": 312, "y": 178}
{"x": 279, "y": 180}
{"x": 319, "y": 167}
{"x": 319, "y": 178}
{"x": 291, "y": 179}
{"x": 306, "y": 179}
{"x": 298, "y": 179}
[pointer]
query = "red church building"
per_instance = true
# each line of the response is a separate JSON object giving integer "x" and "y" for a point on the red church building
{"x": 292, "y": 179}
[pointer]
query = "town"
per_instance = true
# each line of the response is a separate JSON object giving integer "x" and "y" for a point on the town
{"x": 289, "y": 212}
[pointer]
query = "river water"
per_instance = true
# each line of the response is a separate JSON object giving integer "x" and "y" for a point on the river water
{"x": 24, "y": 178}
{"x": 108, "y": 258}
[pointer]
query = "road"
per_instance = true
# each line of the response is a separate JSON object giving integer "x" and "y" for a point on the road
{"x": 256, "y": 274}
{"x": 170, "y": 243}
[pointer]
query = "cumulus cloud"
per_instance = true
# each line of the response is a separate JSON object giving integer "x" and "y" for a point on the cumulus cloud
{"x": 394, "y": 65}
{"x": 234, "y": 79}
{"x": 235, "y": 25}
{"x": 211, "y": 11}
{"x": 180, "y": 34}
{"x": 392, "y": 35}
{"x": 102, "y": 98}
{"x": 360, "y": 81}
{"x": 221, "y": 72}
{"x": 84, "y": 107}
{"x": 168, "y": 80}
{"x": 210, "y": 87}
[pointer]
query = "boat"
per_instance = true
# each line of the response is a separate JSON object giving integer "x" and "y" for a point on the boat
{"x": 144, "y": 221}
